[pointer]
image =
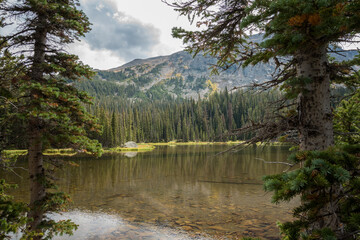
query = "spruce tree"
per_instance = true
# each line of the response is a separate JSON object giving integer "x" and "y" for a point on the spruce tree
{"x": 52, "y": 108}
{"x": 297, "y": 36}
{"x": 347, "y": 120}
{"x": 12, "y": 213}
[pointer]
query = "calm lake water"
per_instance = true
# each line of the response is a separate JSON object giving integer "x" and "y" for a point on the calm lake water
{"x": 182, "y": 192}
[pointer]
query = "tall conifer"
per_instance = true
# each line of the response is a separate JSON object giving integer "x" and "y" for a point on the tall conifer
{"x": 298, "y": 35}
{"x": 52, "y": 107}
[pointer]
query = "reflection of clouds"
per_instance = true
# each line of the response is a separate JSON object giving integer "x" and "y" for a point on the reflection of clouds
{"x": 105, "y": 226}
{"x": 163, "y": 187}
{"x": 130, "y": 154}
{"x": 113, "y": 30}
{"x": 90, "y": 224}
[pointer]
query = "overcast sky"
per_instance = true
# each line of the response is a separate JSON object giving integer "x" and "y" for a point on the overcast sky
{"x": 123, "y": 30}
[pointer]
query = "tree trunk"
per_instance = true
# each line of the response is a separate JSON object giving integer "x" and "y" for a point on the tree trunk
{"x": 315, "y": 116}
{"x": 37, "y": 175}
{"x": 316, "y": 126}
{"x": 35, "y": 133}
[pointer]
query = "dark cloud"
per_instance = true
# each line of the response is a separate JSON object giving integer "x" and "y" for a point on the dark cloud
{"x": 112, "y": 30}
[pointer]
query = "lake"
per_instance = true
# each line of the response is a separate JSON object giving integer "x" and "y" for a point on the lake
{"x": 179, "y": 192}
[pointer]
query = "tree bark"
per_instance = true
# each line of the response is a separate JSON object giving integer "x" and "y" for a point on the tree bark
{"x": 35, "y": 132}
{"x": 37, "y": 175}
{"x": 316, "y": 126}
{"x": 315, "y": 115}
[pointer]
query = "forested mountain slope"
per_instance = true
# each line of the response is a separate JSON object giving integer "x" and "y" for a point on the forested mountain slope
{"x": 173, "y": 76}
{"x": 171, "y": 98}
{"x": 178, "y": 75}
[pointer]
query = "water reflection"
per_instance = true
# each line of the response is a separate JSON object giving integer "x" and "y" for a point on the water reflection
{"x": 187, "y": 188}
{"x": 97, "y": 225}
{"x": 130, "y": 154}
{"x": 109, "y": 226}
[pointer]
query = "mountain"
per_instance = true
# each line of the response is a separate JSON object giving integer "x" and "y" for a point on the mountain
{"x": 178, "y": 75}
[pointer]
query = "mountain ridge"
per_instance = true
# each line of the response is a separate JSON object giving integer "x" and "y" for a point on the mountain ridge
{"x": 178, "y": 75}
{"x": 181, "y": 75}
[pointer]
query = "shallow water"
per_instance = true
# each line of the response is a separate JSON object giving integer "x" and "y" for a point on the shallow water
{"x": 182, "y": 192}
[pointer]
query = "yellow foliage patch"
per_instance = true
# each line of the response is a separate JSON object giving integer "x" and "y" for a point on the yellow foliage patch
{"x": 213, "y": 86}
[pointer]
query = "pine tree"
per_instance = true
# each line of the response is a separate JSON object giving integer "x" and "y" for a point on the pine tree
{"x": 12, "y": 213}
{"x": 298, "y": 35}
{"x": 51, "y": 107}
{"x": 114, "y": 141}
{"x": 347, "y": 120}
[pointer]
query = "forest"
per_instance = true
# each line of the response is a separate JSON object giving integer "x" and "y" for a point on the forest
{"x": 214, "y": 118}
{"x": 42, "y": 107}
{"x": 209, "y": 119}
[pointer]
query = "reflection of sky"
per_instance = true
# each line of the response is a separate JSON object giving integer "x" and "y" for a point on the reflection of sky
{"x": 106, "y": 226}
{"x": 173, "y": 186}
{"x": 92, "y": 225}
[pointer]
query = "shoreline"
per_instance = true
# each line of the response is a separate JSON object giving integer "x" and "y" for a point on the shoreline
{"x": 142, "y": 147}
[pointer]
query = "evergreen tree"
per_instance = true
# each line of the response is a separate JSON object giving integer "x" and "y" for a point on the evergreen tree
{"x": 347, "y": 120}
{"x": 114, "y": 134}
{"x": 51, "y": 108}
{"x": 12, "y": 214}
{"x": 164, "y": 121}
{"x": 298, "y": 35}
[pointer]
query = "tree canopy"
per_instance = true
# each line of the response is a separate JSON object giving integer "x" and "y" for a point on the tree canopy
{"x": 288, "y": 26}
{"x": 50, "y": 108}
{"x": 297, "y": 35}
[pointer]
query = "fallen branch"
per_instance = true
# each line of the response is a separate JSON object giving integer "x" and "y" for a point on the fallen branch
{"x": 285, "y": 163}
{"x": 230, "y": 182}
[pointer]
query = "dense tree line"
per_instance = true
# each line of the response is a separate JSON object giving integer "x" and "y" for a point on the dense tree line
{"x": 204, "y": 119}
{"x": 208, "y": 119}
{"x": 168, "y": 119}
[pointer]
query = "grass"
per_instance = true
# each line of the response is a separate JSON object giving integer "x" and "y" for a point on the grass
{"x": 47, "y": 152}
{"x": 9, "y": 154}
{"x": 142, "y": 147}
{"x": 173, "y": 143}
{"x": 60, "y": 152}
{"x": 15, "y": 152}
{"x": 71, "y": 152}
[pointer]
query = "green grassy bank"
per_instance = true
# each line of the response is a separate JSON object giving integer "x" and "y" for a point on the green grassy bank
{"x": 142, "y": 147}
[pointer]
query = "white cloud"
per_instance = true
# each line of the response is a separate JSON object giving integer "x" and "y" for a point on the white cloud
{"x": 128, "y": 29}
{"x": 98, "y": 59}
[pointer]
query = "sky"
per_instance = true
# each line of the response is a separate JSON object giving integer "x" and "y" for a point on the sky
{"x": 124, "y": 30}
